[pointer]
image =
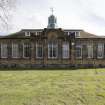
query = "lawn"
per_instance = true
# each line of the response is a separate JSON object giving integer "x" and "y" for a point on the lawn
{"x": 52, "y": 87}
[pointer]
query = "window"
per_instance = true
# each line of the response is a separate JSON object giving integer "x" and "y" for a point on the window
{"x": 38, "y": 33}
{"x": 100, "y": 50}
{"x": 52, "y": 50}
{"x": 78, "y": 51}
{"x": 66, "y": 33}
{"x": 26, "y": 50}
{"x": 27, "y": 33}
{"x": 15, "y": 50}
{"x": 4, "y": 51}
{"x": 90, "y": 50}
{"x": 39, "y": 50}
{"x": 72, "y": 34}
{"x": 77, "y": 34}
{"x": 65, "y": 50}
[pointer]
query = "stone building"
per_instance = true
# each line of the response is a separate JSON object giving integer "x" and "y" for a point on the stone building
{"x": 52, "y": 47}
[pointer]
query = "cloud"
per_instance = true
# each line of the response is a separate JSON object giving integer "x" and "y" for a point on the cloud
{"x": 85, "y": 14}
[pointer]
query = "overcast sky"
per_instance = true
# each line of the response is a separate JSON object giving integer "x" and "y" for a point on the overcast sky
{"x": 88, "y": 15}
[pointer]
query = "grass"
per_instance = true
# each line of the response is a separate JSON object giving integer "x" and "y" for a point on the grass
{"x": 52, "y": 87}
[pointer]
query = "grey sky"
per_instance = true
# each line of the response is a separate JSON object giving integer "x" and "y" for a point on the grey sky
{"x": 83, "y": 14}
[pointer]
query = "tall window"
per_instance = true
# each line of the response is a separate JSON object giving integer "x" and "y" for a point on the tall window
{"x": 15, "y": 50}
{"x": 52, "y": 50}
{"x": 4, "y": 51}
{"x": 90, "y": 50}
{"x": 78, "y": 51}
{"x": 100, "y": 50}
{"x": 39, "y": 50}
{"x": 65, "y": 50}
{"x": 26, "y": 50}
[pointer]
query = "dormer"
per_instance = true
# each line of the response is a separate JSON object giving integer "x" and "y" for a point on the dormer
{"x": 27, "y": 33}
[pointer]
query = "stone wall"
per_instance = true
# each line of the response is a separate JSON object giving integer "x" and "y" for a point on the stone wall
{"x": 57, "y": 35}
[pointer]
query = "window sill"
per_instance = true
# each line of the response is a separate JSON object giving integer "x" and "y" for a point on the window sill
{"x": 38, "y": 58}
{"x": 65, "y": 58}
{"x": 100, "y": 57}
{"x": 4, "y": 57}
{"x": 79, "y": 58}
{"x": 52, "y": 58}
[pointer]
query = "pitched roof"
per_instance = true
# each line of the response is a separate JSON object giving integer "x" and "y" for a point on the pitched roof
{"x": 72, "y": 29}
{"x": 88, "y": 35}
{"x": 31, "y": 30}
{"x": 21, "y": 33}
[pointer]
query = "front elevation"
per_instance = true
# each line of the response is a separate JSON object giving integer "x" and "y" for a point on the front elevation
{"x": 52, "y": 47}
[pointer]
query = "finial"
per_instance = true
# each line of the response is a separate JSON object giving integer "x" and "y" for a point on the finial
{"x": 52, "y": 10}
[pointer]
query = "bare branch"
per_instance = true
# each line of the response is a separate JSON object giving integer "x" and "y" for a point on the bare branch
{"x": 6, "y": 7}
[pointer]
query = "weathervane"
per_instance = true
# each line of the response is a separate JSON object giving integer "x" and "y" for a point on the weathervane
{"x": 52, "y": 10}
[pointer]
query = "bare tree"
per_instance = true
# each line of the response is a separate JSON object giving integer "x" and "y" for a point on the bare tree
{"x": 6, "y": 7}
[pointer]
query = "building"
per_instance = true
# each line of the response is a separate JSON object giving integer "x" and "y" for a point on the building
{"x": 52, "y": 47}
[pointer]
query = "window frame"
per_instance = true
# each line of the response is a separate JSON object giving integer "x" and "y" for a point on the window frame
{"x": 67, "y": 50}
{"x": 15, "y": 49}
{"x": 27, "y": 33}
{"x": 52, "y": 48}
{"x": 99, "y": 50}
{"x": 88, "y": 50}
{"x": 38, "y": 44}
{"x": 77, "y": 35}
{"x": 2, "y": 53}
{"x": 24, "y": 50}
{"x": 81, "y": 47}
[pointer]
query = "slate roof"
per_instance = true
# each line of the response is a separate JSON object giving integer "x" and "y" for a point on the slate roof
{"x": 88, "y": 35}
{"x": 21, "y": 33}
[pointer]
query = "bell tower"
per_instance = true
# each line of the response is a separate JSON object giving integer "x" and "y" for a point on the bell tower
{"x": 52, "y": 21}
